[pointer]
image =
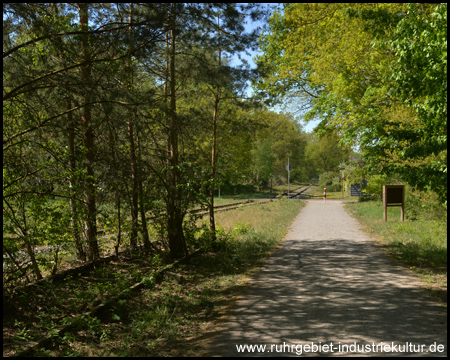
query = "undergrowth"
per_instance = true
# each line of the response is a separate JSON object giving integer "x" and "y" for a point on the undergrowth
{"x": 165, "y": 317}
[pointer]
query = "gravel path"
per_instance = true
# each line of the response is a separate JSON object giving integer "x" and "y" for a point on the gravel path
{"x": 328, "y": 286}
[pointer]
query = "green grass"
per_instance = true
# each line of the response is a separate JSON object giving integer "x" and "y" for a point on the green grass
{"x": 253, "y": 195}
{"x": 419, "y": 245}
{"x": 223, "y": 201}
{"x": 169, "y": 319}
{"x": 253, "y": 232}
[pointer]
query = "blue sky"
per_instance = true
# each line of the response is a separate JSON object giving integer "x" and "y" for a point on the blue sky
{"x": 249, "y": 58}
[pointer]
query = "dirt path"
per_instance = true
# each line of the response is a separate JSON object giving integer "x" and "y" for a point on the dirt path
{"x": 329, "y": 286}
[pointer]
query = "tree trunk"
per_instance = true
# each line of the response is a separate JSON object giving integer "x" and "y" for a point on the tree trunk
{"x": 212, "y": 223}
{"x": 81, "y": 255}
{"x": 134, "y": 191}
{"x": 117, "y": 192}
{"x": 119, "y": 230}
{"x": 24, "y": 273}
{"x": 134, "y": 179}
{"x": 24, "y": 231}
{"x": 175, "y": 234}
{"x": 74, "y": 219}
{"x": 90, "y": 232}
{"x": 145, "y": 238}
{"x": 30, "y": 251}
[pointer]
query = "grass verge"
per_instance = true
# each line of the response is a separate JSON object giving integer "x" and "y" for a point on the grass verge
{"x": 174, "y": 317}
{"x": 420, "y": 245}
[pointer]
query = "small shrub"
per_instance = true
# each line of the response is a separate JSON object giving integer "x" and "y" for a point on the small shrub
{"x": 242, "y": 228}
{"x": 333, "y": 188}
{"x": 375, "y": 185}
{"x": 148, "y": 282}
{"x": 326, "y": 179}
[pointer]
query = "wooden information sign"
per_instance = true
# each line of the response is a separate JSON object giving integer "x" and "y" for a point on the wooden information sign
{"x": 393, "y": 195}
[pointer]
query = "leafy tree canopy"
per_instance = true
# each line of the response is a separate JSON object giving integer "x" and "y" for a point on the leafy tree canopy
{"x": 375, "y": 73}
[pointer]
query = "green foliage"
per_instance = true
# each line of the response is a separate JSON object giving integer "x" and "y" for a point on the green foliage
{"x": 324, "y": 154}
{"x": 375, "y": 185}
{"x": 83, "y": 111}
{"x": 386, "y": 90}
{"x": 419, "y": 77}
{"x": 263, "y": 161}
{"x": 23, "y": 334}
{"x": 326, "y": 179}
{"x": 242, "y": 228}
{"x": 280, "y": 137}
{"x": 335, "y": 187}
{"x": 424, "y": 205}
{"x": 94, "y": 325}
{"x": 148, "y": 282}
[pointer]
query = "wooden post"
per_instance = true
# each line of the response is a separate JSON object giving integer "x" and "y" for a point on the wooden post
{"x": 402, "y": 216}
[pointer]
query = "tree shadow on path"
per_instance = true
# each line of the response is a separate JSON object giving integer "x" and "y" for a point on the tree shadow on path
{"x": 332, "y": 291}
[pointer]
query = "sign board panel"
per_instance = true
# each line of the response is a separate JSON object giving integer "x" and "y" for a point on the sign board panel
{"x": 288, "y": 167}
{"x": 393, "y": 195}
{"x": 355, "y": 190}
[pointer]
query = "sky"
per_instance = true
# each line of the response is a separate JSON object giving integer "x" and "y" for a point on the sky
{"x": 250, "y": 59}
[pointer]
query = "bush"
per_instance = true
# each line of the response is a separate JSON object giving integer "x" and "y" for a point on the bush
{"x": 423, "y": 205}
{"x": 334, "y": 188}
{"x": 375, "y": 185}
{"x": 326, "y": 179}
{"x": 228, "y": 188}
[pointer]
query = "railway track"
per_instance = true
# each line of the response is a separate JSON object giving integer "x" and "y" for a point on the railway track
{"x": 22, "y": 255}
{"x": 230, "y": 206}
{"x": 296, "y": 193}
{"x": 292, "y": 195}
{"x": 204, "y": 211}
{"x": 47, "y": 249}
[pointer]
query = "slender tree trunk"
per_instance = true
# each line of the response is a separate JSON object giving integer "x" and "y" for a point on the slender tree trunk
{"x": 88, "y": 140}
{"x": 212, "y": 223}
{"x": 119, "y": 230}
{"x": 23, "y": 229}
{"x": 134, "y": 178}
{"x": 112, "y": 143}
{"x": 30, "y": 251}
{"x": 145, "y": 238}
{"x": 24, "y": 273}
{"x": 134, "y": 191}
{"x": 81, "y": 255}
{"x": 74, "y": 219}
{"x": 167, "y": 92}
{"x": 175, "y": 234}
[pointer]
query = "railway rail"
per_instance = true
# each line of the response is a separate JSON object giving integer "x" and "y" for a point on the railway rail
{"x": 296, "y": 193}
